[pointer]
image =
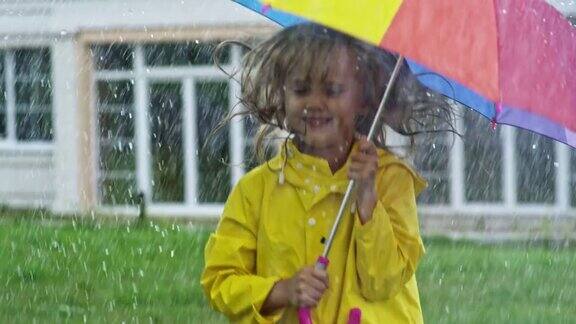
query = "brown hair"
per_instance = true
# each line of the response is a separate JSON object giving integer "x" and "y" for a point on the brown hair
{"x": 412, "y": 109}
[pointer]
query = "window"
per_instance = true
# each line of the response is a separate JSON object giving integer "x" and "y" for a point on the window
{"x": 573, "y": 176}
{"x": 188, "y": 99}
{"x": 3, "y": 114}
{"x": 26, "y": 95}
{"x": 181, "y": 54}
{"x": 432, "y": 161}
{"x": 251, "y": 159}
{"x": 117, "y": 155}
{"x": 214, "y": 144}
{"x": 483, "y": 159}
{"x": 165, "y": 111}
{"x": 535, "y": 171}
{"x": 113, "y": 57}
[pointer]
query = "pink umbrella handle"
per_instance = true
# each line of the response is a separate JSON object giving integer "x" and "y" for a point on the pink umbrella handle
{"x": 354, "y": 316}
{"x": 304, "y": 316}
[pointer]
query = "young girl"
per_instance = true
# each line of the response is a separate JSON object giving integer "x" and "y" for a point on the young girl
{"x": 323, "y": 88}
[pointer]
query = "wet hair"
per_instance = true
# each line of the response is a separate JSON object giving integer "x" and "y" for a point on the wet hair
{"x": 411, "y": 109}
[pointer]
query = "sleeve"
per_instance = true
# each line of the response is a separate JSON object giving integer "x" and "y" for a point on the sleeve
{"x": 389, "y": 247}
{"x": 229, "y": 279}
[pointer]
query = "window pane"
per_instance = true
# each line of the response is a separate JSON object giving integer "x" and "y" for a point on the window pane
{"x": 483, "y": 159}
{"x": 437, "y": 193}
{"x": 115, "y": 92}
{"x": 250, "y": 133}
{"x": 119, "y": 192}
{"x": 35, "y": 94}
{"x": 113, "y": 57}
{"x": 2, "y": 98}
{"x": 117, "y": 154}
{"x": 573, "y": 175}
{"x": 214, "y": 146}
{"x": 34, "y": 126}
{"x": 432, "y": 161}
{"x": 33, "y": 86}
{"x": 116, "y": 125}
{"x": 3, "y": 117}
{"x": 32, "y": 62}
{"x": 534, "y": 168}
{"x": 166, "y": 142}
{"x": 185, "y": 53}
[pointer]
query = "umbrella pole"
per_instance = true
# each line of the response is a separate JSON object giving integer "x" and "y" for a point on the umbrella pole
{"x": 322, "y": 263}
{"x": 352, "y": 183}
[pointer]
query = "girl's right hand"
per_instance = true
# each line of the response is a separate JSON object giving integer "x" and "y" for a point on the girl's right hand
{"x": 306, "y": 287}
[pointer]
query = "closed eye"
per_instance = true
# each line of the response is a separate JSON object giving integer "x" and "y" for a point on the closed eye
{"x": 333, "y": 90}
{"x": 300, "y": 88}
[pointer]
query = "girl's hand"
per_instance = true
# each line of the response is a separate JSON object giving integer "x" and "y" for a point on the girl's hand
{"x": 363, "y": 168}
{"x": 304, "y": 289}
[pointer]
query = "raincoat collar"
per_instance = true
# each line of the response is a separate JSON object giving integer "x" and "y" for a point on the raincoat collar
{"x": 311, "y": 175}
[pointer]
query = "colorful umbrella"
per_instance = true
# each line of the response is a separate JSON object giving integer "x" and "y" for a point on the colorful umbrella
{"x": 513, "y": 61}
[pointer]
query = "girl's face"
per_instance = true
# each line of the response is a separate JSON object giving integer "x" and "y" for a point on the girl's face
{"x": 322, "y": 111}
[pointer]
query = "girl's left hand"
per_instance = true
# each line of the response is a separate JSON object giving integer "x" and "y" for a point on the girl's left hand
{"x": 363, "y": 168}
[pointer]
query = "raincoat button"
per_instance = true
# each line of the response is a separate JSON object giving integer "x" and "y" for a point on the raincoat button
{"x": 311, "y": 221}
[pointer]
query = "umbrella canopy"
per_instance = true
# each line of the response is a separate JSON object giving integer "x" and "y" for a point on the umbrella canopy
{"x": 513, "y": 61}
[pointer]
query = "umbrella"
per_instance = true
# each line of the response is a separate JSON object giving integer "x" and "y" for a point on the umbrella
{"x": 513, "y": 61}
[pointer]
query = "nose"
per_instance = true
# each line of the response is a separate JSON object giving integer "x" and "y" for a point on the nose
{"x": 316, "y": 100}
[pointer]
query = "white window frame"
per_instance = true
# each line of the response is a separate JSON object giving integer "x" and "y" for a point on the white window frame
{"x": 509, "y": 207}
{"x": 10, "y": 142}
{"x": 188, "y": 76}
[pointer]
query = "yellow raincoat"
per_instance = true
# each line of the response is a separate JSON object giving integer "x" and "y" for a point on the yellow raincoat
{"x": 271, "y": 228}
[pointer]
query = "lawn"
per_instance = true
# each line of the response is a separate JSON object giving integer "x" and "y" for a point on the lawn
{"x": 114, "y": 271}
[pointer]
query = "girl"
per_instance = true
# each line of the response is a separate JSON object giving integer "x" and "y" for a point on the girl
{"x": 323, "y": 88}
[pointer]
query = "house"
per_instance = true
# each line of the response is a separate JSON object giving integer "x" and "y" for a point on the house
{"x": 106, "y": 100}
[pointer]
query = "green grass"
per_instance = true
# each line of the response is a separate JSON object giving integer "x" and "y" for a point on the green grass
{"x": 463, "y": 282}
{"x": 119, "y": 272}
{"x": 101, "y": 272}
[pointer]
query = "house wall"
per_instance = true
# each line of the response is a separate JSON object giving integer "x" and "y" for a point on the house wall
{"x": 26, "y": 178}
{"x": 60, "y": 175}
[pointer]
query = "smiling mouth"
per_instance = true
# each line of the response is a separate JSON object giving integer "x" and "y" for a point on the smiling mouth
{"x": 316, "y": 122}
